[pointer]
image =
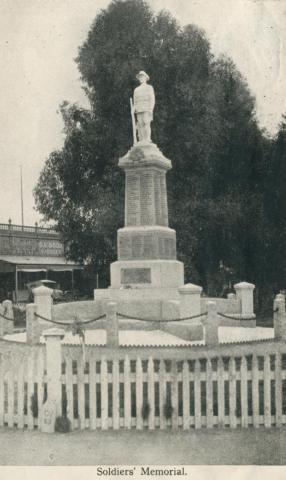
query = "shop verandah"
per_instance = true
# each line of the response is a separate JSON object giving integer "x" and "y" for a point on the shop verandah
{"x": 32, "y": 253}
{"x": 15, "y": 275}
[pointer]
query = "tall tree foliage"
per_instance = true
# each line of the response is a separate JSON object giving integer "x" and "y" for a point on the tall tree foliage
{"x": 275, "y": 209}
{"x": 203, "y": 121}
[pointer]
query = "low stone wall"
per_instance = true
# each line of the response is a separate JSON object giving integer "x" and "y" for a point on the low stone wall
{"x": 228, "y": 322}
{"x": 149, "y": 310}
{"x": 224, "y": 305}
{"x": 230, "y": 306}
{"x": 186, "y": 332}
{"x": 85, "y": 310}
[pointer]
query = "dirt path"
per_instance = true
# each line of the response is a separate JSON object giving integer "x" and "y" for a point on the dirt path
{"x": 252, "y": 447}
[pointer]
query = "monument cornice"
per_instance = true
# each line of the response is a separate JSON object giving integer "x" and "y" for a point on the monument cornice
{"x": 144, "y": 155}
{"x": 146, "y": 228}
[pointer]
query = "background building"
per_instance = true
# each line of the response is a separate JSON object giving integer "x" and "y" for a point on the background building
{"x": 29, "y": 254}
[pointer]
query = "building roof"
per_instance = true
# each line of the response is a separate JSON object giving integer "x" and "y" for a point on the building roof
{"x": 30, "y": 262}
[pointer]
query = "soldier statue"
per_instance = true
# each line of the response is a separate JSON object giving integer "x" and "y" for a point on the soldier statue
{"x": 144, "y": 102}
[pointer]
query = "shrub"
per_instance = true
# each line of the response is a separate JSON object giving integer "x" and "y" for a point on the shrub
{"x": 168, "y": 410}
{"x": 145, "y": 411}
{"x": 62, "y": 424}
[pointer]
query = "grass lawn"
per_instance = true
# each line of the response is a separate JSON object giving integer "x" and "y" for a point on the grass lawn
{"x": 214, "y": 447}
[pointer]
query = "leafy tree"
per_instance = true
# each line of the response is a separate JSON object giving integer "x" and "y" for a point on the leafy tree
{"x": 275, "y": 208}
{"x": 204, "y": 121}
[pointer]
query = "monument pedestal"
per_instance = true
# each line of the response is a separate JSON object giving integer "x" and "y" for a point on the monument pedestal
{"x": 146, "y": 279}
{"x": 147, "y": 274}
{"x": 147, "y": 256}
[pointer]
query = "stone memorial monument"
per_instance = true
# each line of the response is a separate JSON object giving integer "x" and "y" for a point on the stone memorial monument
{"x": 147, "y": 272}
{"x": 146, "y": 244}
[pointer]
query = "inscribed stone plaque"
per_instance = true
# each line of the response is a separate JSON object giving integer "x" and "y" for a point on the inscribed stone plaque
{"x": 167, "y": 247}
{"x": 164, "y": 205}
{"x": 157, "y": 190}
{"x": 137, "y": 246}
{"x": 147, "y": 199}
{"x": 132, "y": 199}
{"x": 150, "y": 243}
{"x": 135, "y": 275}
{"x": 124, "y": 246}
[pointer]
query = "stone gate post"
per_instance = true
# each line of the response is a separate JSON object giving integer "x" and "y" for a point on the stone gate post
{"x": 280, "y": 317}
{"x": 190, "y": 300}
{"x": 32, "y": 324}
{"x": 244, "y": 293}
{"x": 112, "y": 335}
{"x": 211, "y": 324}
{"x": 2, "y": 322}
{"x": 52, "y": 407}
{"x": 44, "y": 301}
{"x": 8, "y": 312}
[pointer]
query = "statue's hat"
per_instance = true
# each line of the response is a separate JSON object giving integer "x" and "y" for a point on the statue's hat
{"x": 143, "y": 73}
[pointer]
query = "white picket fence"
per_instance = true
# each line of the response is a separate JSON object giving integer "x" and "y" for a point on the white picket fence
{"x": 22, "y": 383}
{"x": 113, "y": 387}
{"x": 231, "y": 386}
{"x": 203, "y": 390}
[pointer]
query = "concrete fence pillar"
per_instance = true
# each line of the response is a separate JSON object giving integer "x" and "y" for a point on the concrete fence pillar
{"x": 2, "y": 322}
{"x": 8, "y": 312}
{"x": 32, "y": 324}
{"x": 44, "y": 301}
{"x": 211, "y": 324}
{"x": 190, "y": 300}
{"x": 280, "y": 317}
{"x": 112, "y": 334}
{"x": 244, "y": 293}
{"x": 52, "y": 408}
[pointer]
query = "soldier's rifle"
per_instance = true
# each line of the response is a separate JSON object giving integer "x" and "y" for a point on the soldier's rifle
{"x": 134, "y": 128}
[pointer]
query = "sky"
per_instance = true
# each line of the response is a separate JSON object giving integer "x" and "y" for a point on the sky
{"x": 39, "y": 40}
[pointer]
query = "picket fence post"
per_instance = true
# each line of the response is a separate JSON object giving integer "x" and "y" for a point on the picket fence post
{"x": 220, "y": 393}
{"x": 127, "y": 393}
{"x": 139, "y": 394}
{"x": 186, "y": 396}
{"x": 267, "y": 392}
{"x": 52, "y": 407}
{"x": 255, "y": 396}
{"x": 162, "y": 393}
{"x": 198, "y": 418}
{"x": 115, "y": 383}
{"x": 243, "y": 387}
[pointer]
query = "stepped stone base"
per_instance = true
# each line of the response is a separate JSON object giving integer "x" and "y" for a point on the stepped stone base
{"x": 150, "y": 303}
{"x": 143, "y": 294}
